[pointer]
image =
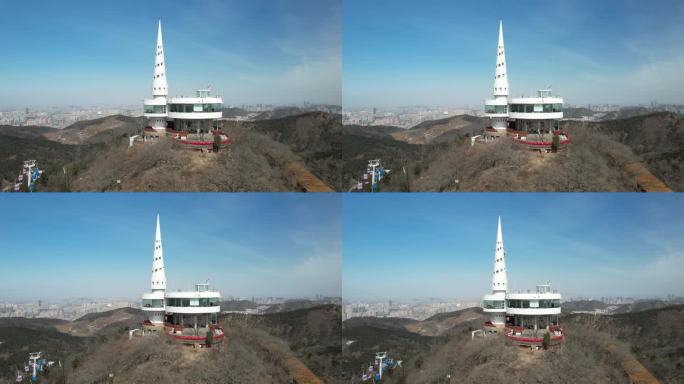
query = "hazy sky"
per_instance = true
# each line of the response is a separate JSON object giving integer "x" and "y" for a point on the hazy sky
{"x": 102, "y": 52}
{"x": 404, "y": 246}
{"x": 56, "y": 246}
{"x": 444, "y": 52}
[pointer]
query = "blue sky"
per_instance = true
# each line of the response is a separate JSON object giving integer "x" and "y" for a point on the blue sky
{"x": 404, "y": 246}
{"x": 443, "y": 52}
{"x": 102, "y": 52}
{"x": 57, "y": 246}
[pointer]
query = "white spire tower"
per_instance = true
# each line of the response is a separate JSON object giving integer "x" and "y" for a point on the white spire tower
{"x": 155, "y": 108}
{"x": 495, "y": 303}
{"x": 159, "y": 84}
{"x": 158, "y": 279}
{"x": 500, "y": 75}
{"x": 499, "y": 279}
{"x": 153, "y": 303}
{"x": 497, "y": 108}
{"x": 198, "y": 114}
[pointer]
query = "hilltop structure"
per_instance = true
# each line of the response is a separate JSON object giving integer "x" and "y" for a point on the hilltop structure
{"x": 524, "y": 317}
{"x": 531, "y": 121}
{"x": 495, "y": 303}
{"x": 187, "y": 119}
{"x": 186, "y": 316}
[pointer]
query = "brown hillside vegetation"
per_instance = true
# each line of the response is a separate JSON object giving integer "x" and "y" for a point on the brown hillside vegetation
{"x": 94, "y": 156}
{"x": 590, "y": 163}
{"x": 657, "y": 139}
{"x": 441, "y": 130}
{"x": 276, "y": 348}
{"x": 656, "y": 337}
{"x": 102, "y": 323}
{"x": 635, "y": 347}
{"x": 300, "y": 346}
{"x": 248, "y": 355}
{"x": 441, "y": 324}
{"x": 315, "y": 137}
{"x": 363, "y": 337}
{"x": 57, "y": 339}
{"x": 96, "y": 131}
{"x": 313, "y": 335}
{"x": 18, "y": 144}
{"x": 252, "y": 162}
{"x": 638, "y": 153}
{"x": 586, "y": 357}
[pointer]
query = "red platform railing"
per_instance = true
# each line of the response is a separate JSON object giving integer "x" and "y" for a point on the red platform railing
{"x": 215, "y": 337}
{"x": 533, "y": 339}
{"x": 540, "y": 143}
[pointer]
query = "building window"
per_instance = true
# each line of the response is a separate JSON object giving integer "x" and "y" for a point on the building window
{"x": 493, "y": 304}
{"x": 153, "y": 303}
{"x": 155, "y": 109}
{"x": 496, "y": 108}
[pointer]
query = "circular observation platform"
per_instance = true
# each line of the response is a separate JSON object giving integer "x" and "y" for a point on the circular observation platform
{"x": 190, "y": 335}
{"x": 531, "y": 140}
{"x": 203, "y": 141}
{"x": 534, "y": 338}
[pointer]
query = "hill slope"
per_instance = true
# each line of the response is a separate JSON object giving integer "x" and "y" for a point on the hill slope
{"x": 26, "y": 132}
{"x": 51, "y": 157}
{"x": 602, "y": 156}
{"x": 94, "y": 156}
{"x": 442, "y": 130}
{"x": 655, "y": 336}
{"x": 312, "y": 335}
{"x": 360, "y": 144}
{"x": 657, "y": 139}
{"x": 253, "y": 162}
{"x": 103, "y": 323}
{"x": 301, "y": 345}
{"x": 592, "y": 162}
{"x": 97, "y": 131}
{"x": 314, "y": 137}
{"x": 597, "y": 349}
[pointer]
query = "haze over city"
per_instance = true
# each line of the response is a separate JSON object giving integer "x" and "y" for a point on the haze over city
{"x": 443, "y": 52}
{"x": 280, "y": 245}
{"x": 93, "y": 53}
{"x": 590, "y": 245}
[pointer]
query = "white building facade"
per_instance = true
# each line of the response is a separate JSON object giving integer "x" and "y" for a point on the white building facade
{"x": 200, "y": 113}
{"x": 187, "y": 315}
{"x": 540, "y": 114}
{"x": 518, "y": 311}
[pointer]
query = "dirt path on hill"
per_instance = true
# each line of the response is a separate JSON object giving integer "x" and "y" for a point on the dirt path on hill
{"x": 299, "y": 372}
{"x": 305, "y": 179}
{"x": 645, "y": 180}
{"x": 638, "y": 374}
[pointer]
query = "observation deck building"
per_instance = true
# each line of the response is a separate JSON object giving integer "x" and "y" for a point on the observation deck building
{"x": 186, "y": 316}
{"x": 523, "y": 316}
{"x": 532, "y": 121}
{"x": 191, "y": 120}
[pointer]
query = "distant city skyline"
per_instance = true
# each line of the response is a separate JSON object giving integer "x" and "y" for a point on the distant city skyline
{"x": 81, "y": 52}
{"x": 101, "y": 245}
{"x": 443, "y": 52}
{"x": 409, "y": 246}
